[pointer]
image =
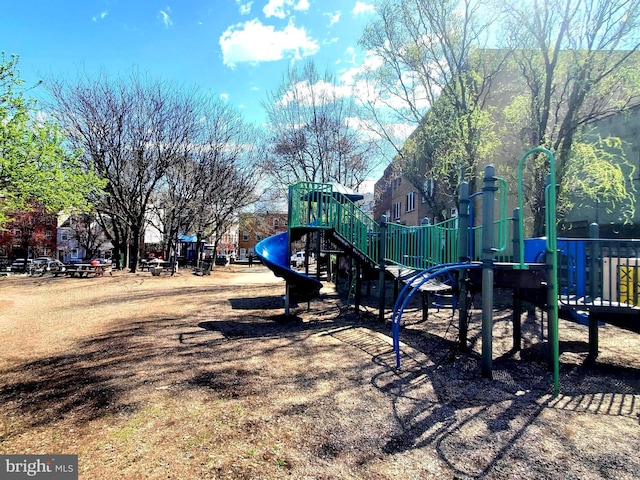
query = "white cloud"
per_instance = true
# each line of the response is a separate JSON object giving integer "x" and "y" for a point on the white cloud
{"x": 224, "y": 96}
{"x": 282, "y": 8}
{"x": 244, "y": 8}
{"x": 370, "y": 63}
{"x": 101, "y": 16}
{"x": 362, "y": 7}
{"x": 302, "y": 92}
{"x": 333, "y": 18}
{"x": 254, "y": 42}
{"x": 164, "y": 16}
{"x": 302, "y": 5}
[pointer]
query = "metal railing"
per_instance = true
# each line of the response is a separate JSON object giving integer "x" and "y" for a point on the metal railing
{"x": 318, "y": 206}
{"x": 591, "y": 271}
{"x": 599, "y": 272}
{"x": 422, "y": 246}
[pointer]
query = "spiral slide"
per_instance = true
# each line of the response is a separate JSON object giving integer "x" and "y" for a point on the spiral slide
{"x": 274, "y": 253}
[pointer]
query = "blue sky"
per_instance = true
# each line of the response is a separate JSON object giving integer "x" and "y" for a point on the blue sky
{"x": 236, "y": 49}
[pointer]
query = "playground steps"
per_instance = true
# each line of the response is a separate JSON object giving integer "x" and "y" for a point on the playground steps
{"x": 346, "y": 246}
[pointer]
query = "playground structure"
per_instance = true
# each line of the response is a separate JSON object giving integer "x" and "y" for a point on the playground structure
{"x": 586, "y": 280}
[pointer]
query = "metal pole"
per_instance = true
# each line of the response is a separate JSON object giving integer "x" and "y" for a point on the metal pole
{"x": 517, "y": 301}
{"x": 287, "y": 296}
{"x": 464, "y": 256}
{"x": 552, "y": 281}
{"x": 381, "y": 265}
{"x": 488, "y": 200}
{"x": 594, "y": 233}
{"x": 551, "y": 254}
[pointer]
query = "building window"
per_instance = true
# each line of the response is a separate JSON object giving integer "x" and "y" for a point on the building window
{"x": 74, "y": 253}
{"x": 17, "y": 232}
{"x": 258, "y": 237}
{"x": 397, "y": 210}
{"x": 64, "y": 237}
{"x": 411, "y": 201}
{"x": 276, "y": 222}
{"x": 245, "y": 236}
{"x": 48, "y": 234}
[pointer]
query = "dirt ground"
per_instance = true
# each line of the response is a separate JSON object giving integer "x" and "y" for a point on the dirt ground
{"x": 202, "y": 377}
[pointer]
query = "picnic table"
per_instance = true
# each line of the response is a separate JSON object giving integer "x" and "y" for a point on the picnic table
{"x": 85, "y": 269}
{"x": 156, "y": 267}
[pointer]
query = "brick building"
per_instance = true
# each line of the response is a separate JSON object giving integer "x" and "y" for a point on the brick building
{"x": 29, "y": 235}
{"x": 254, "y": 227}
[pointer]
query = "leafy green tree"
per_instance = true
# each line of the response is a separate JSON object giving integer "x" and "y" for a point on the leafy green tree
{"x": 36, "y": 165}
{"x": 431, "y": 76}
{"x": 579, "y": 62}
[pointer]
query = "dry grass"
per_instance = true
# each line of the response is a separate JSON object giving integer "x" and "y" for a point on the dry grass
{"x": 192, "y": 377}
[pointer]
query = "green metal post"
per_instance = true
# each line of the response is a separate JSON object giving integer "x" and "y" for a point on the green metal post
{"x": 357, "y": 294}
{"x": 552, "y": 281}
{"x": 551, "y": 255}
{"x": 463, "y": 249}
{"x": 381, "y": 265}
{"x": 287, "y": 296}
{"x": 517, "y": 301}
{"x": 488, "y": 201}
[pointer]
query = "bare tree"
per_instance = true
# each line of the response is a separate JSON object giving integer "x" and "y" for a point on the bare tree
{"x": 579, "y": 61}
{"x": 205, "y": 189}
{"x": 315, "y": 131}
{"x": 132, "y": 130}
{"x": 88, "y": 233}
{"x": 170, "y": 209}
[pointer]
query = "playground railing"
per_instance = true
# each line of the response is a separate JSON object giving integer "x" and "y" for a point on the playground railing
{"x": 603, "y": 272}
{"x": 309, "y": 203}
{"x": 355, "y": 226}
{"x": 423, "y": 246}
{"x": 317, "y": 205}
{"x": 504, "y": 235}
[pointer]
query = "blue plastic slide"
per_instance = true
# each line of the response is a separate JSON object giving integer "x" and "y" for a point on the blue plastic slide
{"x": 274, "y": 253}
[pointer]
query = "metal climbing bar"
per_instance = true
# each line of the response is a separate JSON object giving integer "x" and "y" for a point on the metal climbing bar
{"x": 551, "y": 253}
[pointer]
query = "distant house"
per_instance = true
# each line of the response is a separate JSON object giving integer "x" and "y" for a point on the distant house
{"x": 76, "y": 235}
